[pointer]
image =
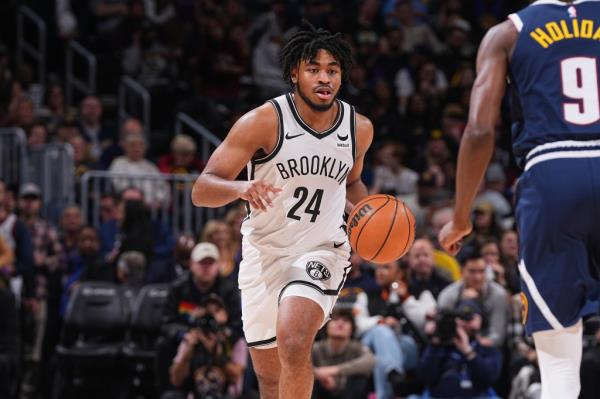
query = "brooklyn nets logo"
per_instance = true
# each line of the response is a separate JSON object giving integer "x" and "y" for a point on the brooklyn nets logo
{"x": 317, "y": 270}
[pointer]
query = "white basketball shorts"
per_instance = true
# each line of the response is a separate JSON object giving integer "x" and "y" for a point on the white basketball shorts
{"x": 265, "y": 280}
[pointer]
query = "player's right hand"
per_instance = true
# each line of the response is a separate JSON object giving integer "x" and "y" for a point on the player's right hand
{"x": 451, "y": 236}
{"x": 259, "y": 194}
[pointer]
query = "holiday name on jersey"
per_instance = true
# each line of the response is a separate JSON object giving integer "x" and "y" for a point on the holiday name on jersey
{"x": 315, "y": 165}
{"x": 556, "y": 31}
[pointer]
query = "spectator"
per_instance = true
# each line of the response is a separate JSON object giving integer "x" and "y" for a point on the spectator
{"x": 234, "y": 218}
{"x": 341, "y": 364}
{"x": 457, "y": 46}
{"x": 183, "y": 250}
{"x": 391, "y": 176}
{"x": 108, "y": 208}
{"x": 155, "y": 190}
{"x": 495, "y": 185}
{"x": 65, "y": 131}
{"x": 493, "y": 296}
{"x": 70, "y": 225}
{"x": 204, "y": 364}
{"x": 360, "y": 275}
{"x": 131, "y": 268}
{"x": 21, "y": 112}
{"x": 18, "y": 238}
{"x": 182, "y": 159}
{"x": 414, "y": 33}
{"x": 423, "y": 273}
{"x": 92, "y": 127}
{"x": 509, "y": 256}
{"x": 464, "y": 366}
{"x": 383, "y": 329}
{"x": 55, "y": 110}
{"x": 266, "y": 69}
{"x": 485, "y": 225}
{"x": 129, "y": 126}
{"x": 187, "y": 294}
{"x": 134, "y": 230}
{"x": 48, "y": 261}
{"x": 89, "y": 265}
{"x": 7, "y": 258}
{"x": 82, "y": 160}
{"x": 491, "y": 255}
{"x": 37, "y": 136}
{"x": 220, "y": 233}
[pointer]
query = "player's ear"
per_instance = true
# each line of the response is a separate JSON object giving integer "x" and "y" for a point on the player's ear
{"x": 294, "y": 75}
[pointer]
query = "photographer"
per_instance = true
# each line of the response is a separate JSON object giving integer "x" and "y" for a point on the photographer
{"x": 492, "y": 295}
{"x": 188, "y": 292}
{"x": 457, "y": 363}
{"x": 203, "y": 364}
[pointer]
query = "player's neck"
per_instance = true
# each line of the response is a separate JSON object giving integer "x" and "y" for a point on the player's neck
{"x": 318, "y": 120}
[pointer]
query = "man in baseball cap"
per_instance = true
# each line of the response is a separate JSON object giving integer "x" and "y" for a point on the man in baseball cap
{"x": 204, "y": 251}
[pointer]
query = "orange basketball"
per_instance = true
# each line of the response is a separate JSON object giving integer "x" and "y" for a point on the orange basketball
{"x": 381, "y": 228}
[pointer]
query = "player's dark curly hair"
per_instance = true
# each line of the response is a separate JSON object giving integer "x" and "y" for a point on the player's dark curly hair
{"x": 304, "y": 45}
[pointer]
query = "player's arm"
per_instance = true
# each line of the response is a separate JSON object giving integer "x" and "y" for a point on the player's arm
{"x": 216, "y": 186}
{"x": 355, "y": 188}
{"x": 478, "y": 141}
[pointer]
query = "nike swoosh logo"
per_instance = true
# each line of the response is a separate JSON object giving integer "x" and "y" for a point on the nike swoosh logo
{"x": 287, "y": 135}
{"x": 343, "y": 138}
{"x": 337, "y": 245}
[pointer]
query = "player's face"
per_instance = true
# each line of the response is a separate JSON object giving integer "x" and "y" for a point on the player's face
{"x": 318, "y": 81}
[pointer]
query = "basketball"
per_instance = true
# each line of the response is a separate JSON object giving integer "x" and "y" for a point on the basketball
{"x": 381, "y": 228}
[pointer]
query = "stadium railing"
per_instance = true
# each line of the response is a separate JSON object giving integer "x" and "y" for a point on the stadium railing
{"x": 86, "y": 85}
{"x": 13, "y": 156}
{"x": 129, "y": 89}
{"x": 208, "y": 141}
{"x": 36, "y": 51}
{"x": 173, "y": 208}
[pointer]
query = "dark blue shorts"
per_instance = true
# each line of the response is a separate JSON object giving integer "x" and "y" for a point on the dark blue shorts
{"x": 558, "y": 217}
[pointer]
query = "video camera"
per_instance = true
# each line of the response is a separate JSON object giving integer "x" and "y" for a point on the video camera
{"x": 445, "y": 321}
{"x": 207, "y": 324}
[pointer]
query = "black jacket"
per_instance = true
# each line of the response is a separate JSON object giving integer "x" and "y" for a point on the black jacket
{"x": 183, "y": 292}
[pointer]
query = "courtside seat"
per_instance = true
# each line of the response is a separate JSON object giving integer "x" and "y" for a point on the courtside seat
{"x": 92, "y": 337}
{"x": 139, "y": 349}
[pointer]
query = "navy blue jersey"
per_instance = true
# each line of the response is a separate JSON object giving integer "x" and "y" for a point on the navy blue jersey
{"x": 554, "y": 74}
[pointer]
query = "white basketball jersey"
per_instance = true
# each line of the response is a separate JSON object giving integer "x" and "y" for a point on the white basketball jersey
{"x": 311, "y": 169}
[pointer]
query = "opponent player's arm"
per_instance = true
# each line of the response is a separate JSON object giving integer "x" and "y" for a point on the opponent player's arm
{"x": 478, "y": 141}
{"x": 355, "y": 188}
{"x": 216, "y": 186}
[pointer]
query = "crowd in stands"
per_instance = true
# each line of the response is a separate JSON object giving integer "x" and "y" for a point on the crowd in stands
{"x": 429, "y": 324}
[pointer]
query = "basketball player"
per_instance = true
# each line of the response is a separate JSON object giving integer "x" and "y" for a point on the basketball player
{"x": 550, "y": 50}
{"x": 304, "y": 152}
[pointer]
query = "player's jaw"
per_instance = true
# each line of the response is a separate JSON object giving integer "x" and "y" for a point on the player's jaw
{"x": 320, "y": 98}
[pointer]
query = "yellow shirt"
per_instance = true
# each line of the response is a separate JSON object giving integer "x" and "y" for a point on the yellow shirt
{"x": 447, "y": 263}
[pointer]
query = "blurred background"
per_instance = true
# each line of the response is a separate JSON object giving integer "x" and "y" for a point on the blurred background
{"x": 113, "y": 285}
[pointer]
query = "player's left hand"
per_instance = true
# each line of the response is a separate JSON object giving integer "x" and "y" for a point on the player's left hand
{"x": 451, "y": 236}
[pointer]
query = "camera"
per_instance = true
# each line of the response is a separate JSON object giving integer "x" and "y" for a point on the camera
{"x": 445, "y": 321}
{"x": 207, "y": 324}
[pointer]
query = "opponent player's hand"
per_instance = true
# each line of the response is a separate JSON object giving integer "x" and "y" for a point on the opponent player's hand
{"x": 451, "y": 236}
{"x": 259, "y": 194}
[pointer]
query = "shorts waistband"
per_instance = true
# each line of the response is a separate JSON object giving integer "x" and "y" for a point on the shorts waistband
{"x": 562, "y": 149}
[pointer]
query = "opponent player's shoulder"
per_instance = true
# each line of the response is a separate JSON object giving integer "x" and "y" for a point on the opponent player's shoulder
{"x": 364, "y": 133}
{"x": 258, "y": 126}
